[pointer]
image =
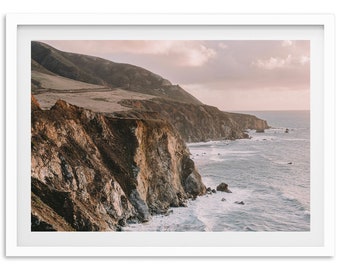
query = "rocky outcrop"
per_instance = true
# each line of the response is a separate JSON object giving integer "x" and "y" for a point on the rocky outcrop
{"x": 248, "y": 121}
{"x": 194, "y": 122}
{"x": 240, "y": 202}
{"x": 92, "y": 172}
{"x": 223, "y": 187}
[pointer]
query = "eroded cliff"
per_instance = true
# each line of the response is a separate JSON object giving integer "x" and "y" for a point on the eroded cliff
{"x": 93, "y": 172}
{"x": 195, "y": 123}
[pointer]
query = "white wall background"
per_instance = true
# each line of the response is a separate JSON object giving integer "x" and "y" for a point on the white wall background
{"x": 154, "y": 6}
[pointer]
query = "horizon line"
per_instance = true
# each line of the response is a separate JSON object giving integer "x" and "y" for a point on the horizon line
{"x": 294, "y": 110}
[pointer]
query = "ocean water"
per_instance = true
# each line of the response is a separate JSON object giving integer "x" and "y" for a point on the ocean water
{"x": 270, "y": 173}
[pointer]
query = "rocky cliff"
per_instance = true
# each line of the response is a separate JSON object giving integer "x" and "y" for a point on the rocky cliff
{"x": 248, "y": 121}
{"x": 194, "y": 122}
{"x": 93, "y": 172}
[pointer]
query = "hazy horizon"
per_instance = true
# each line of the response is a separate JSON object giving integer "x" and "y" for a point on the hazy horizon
{"x": 238, "y": 111}
{"x": 248, "y": 75}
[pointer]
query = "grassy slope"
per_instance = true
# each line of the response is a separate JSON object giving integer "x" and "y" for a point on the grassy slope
{"x": 95, "y": 70}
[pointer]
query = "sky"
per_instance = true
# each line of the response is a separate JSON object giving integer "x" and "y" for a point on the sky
{"x": 233, "y": 75}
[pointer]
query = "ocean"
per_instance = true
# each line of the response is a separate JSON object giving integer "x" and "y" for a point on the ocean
{"x": 269, "y": 174}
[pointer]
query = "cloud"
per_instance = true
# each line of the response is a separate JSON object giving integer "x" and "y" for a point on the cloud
{"x": 191, "y": 54}
{"x": 273, "y": 62}
{"x": 304, "y": 60}
{"x": 287, "y": 43}
{"x": 177, "y": 52}
{"x": 279, "y": 63}
{"x": 222, "y": 45}
{"x": 183, "y": 52}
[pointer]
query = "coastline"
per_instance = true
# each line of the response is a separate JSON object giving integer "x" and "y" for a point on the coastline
{"x": 256, "y": 190}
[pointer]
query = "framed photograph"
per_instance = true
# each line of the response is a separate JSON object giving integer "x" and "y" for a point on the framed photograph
{"x": 170, "y": 135}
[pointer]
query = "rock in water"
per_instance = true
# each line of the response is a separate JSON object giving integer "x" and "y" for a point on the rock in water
{"x": 241, "y": 202}
{"x": 223, "y": 187}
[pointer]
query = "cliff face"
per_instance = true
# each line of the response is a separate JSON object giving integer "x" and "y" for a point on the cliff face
{"x": 194, "y": 122}
{"x": 247, "y": 121}
{"x": 94, "y": 172}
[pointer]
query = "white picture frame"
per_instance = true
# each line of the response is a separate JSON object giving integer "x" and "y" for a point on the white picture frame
{"x": 22, "y": 242}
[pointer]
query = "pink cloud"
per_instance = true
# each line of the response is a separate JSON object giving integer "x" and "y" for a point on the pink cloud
{"x": 278, "y": 63}
{"x": 186, "y": 53}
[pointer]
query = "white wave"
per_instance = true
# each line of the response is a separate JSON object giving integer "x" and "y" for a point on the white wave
{"x": 201, "y": 214}
{"x": 264, "y": 138}
{"x": 295, "y": 139}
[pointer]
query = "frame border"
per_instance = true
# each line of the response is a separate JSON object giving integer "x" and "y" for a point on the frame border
{"x": 14, "y": 21}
